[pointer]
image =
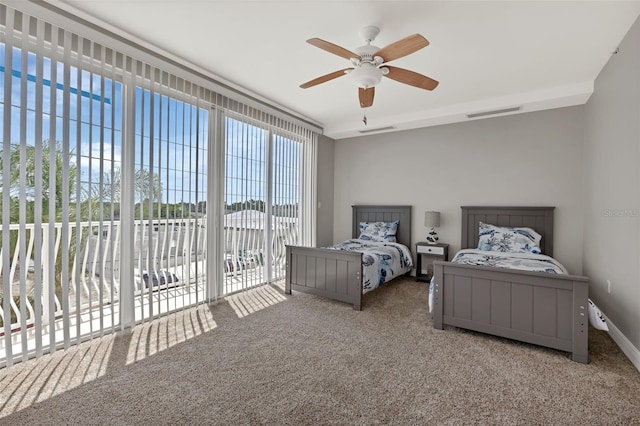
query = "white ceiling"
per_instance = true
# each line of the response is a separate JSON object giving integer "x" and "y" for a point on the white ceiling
{"x": 486, "y": 55}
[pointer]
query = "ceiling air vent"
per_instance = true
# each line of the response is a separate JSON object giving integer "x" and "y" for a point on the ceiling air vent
{"x": 379, "y": 129}
{"x": 495, "y": 111}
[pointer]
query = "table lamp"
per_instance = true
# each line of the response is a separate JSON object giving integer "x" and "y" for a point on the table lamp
{"x": 432, "y": 220}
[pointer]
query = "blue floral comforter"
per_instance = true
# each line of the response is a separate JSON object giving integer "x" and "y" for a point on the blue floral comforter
{"x": 522, "y": 261}
{"x": 381, "y": 262}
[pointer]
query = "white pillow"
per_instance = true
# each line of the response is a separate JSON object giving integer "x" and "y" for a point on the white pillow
{"x": 511, "y": 240}
{"x": 379, "y": 231}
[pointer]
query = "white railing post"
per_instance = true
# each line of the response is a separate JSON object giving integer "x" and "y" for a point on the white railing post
{"x": 186, "y": 249}
{"x": 46, "y": 267}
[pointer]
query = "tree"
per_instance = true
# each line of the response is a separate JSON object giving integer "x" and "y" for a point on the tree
{"x": 147, "y": 186}
{"x": 23, "y": 166}
{"x": 27, "y": 153}
{"x": 246, "y": 205}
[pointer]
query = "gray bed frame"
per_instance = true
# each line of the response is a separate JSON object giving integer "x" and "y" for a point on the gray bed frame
{"x": 337, "y": 274}
{"x": 544, "y": 309}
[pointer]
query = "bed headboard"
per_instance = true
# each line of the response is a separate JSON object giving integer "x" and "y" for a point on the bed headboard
{"x": 384, "y": 214}
{"x": 538, "y": 218}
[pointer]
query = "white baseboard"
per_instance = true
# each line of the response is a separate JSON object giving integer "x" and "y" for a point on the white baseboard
{"x": 627, "y": 347}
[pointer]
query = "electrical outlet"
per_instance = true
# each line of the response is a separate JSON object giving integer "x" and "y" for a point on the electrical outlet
{"x": 609, "y": 286}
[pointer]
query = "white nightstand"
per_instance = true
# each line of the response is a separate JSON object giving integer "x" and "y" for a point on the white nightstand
{"x": 432, "y": 252}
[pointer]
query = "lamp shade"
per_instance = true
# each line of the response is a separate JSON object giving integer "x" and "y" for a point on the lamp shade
{"x": 431, "y": 219}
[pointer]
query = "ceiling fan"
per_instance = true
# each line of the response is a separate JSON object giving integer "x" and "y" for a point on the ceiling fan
{"x": 370, "y": 64}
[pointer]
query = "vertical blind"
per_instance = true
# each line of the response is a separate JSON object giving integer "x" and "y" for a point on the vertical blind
{"x": 169, "y": 178}
{"x": 61, "y": 137}
{"x": 266, "y": 193}
{"x": 129, "y": 192}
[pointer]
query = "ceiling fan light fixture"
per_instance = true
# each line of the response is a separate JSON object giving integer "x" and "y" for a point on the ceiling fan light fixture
{"x": 366, "y": 75}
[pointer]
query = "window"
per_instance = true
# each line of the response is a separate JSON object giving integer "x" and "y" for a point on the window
{"x": 129, "y": 191}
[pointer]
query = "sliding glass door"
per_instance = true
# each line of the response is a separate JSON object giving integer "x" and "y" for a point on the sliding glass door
{"x": 170, "y": 186}
{"x": 286, "y": 190}
{"x": 261, "y": 200}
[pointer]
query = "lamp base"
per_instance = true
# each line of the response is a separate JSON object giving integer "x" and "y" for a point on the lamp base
{"x": 432, "y": 238}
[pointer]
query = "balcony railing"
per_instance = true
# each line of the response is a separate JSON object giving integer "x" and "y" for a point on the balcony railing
{"x": 170, "y": 274}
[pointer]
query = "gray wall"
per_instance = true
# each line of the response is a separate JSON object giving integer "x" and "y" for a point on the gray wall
{"x": 525, "y": 159}
{"x": 325, "y": 191}
{"x": 611, "y": 182}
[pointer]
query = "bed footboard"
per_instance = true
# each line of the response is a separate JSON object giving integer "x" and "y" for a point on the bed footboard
{"x": 549, "y": 310}
{"x": 329, "y": 273}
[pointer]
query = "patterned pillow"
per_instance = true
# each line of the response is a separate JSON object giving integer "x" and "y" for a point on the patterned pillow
{"x": 512, "y": 240}
{"x": 379, "y": 231}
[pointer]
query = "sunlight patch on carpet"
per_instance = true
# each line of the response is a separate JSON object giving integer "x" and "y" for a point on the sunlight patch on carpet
{"x": 161, "y": 334}
{"x": 254, "y": 300}
{"x": 40, "y": 379}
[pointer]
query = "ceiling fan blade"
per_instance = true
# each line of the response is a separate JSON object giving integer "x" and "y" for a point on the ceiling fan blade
{"x": 324, "y": 78}
{"x": 411, "y": 78}
{"x": 366, "y": 96}
{"x": 333, "y": 48}
{"x": 402, "y": 47}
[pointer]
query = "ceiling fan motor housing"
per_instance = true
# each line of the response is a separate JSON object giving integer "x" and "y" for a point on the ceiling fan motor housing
{"x": 366, "y": 52}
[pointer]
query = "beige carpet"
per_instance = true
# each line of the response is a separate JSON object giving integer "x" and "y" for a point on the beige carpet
{"x": 266, "y": 358}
